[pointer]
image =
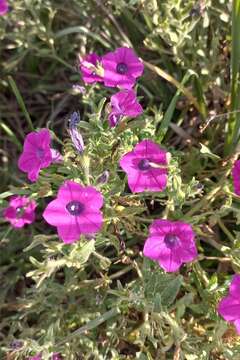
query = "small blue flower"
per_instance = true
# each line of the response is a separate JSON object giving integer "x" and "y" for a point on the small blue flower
{"x": 76, "y": 137}
{"x": 74, "y": 119}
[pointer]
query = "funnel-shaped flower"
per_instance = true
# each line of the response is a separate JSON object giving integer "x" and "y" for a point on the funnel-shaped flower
{"x": 21, "y": 211}
{"x": 36, "y": 153}
{"x": 121, "y": 68}
{"x": 124, "y": 103}
{"x": 76, "y": 211}
{"x": 146, "y": 167}
{"x": 171, "y": 243}
{"x": 229, "y": 306}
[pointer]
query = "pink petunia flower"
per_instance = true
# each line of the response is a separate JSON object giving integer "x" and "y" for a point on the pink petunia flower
{"x": 146, "y": 167}
{"x": 89, "y": 68}
{"x": 124, "y": 103}
{"x": 3, "y": 7}
{"x": 121, "y": 68}
{"x": 76, "y": 211}
{"x": 21, "y": 211}
{"x": 229, "y": 306}
{"x": 171, "y": 243}
{"x": 236, "y": 177}
{"x": 36, "y": 153}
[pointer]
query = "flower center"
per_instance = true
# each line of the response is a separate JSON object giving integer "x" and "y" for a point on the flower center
{"x": 122, "y": 68}
{"x": 144, "y": 164}
{"x": 19, "y": 211}
{"x": 40, "y": 153}
{"x": 75, "y": 207}
{"x": 171, "y": 240}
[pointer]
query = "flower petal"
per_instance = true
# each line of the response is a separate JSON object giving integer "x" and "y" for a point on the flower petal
{"x": 56, "y": 214}
{"x": 169, "y": 259}
{"x": 152, "y": 247}
{"x": 229, "y": 308}
{"x": 235, "y": 287}
{"x": 69, "y": 232}
{"x": 90, "y": 222}
{"x": 237, "y": 325}
{"x": 161, "y": 227}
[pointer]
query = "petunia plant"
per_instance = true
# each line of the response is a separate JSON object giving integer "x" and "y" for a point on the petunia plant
{"x": 117, "y": 230}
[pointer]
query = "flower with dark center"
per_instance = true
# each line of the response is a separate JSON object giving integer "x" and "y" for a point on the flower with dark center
{"x": 146, "y": 167}
{"x": 121, "y": 68}
{"x": 75, "y": 211}
{"x": 170, "y": 243}
{"x": 21, "y": 211}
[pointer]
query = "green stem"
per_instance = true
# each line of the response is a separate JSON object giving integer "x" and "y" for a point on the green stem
{"x": 92, "y": 324}
{"x": 20, "y": 101}
{"x": 226, "y": 231}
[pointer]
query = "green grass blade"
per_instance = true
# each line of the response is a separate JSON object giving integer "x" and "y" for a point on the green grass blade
{"x": 92, "y": 324}
{"x": 20, "y": 102}
{"x": 233, "y": 126}
{"x": 12, "y": 137}
{"x": 171, "y": 108}
{"x": 82, "y": 30}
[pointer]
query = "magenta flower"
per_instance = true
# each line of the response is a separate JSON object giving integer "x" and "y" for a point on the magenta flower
{"x": 75, "y": 211}
{"x": 146, "y": 167}
{"x": 171, "y": 243}
{"x": 229, "y": 306}
{"x": 89, "y": 68}
{"x": 121, "y": 68}
{"x": 236, "y": 177}
{"x": 36, "y": 153}
{"x": 124, "y": 103}
{"x": 21, "y": 211}
{"x": 36, "y": 357}
{"x": 3, "y": 7}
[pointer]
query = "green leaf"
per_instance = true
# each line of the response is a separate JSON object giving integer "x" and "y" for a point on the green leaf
{"x": 160, "y": 289}
{"x": 80, "y": 254}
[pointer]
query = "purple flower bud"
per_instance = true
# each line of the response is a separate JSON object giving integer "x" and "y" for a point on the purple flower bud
{"x": 76, "y": 137}
{"x": 103, "y": 178}
{"x": 78, "y": 89}
{"x": 74, "y": 119}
